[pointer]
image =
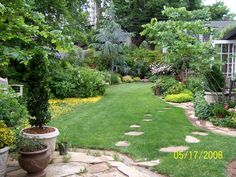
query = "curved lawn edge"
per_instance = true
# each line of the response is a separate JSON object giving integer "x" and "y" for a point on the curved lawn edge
{"x": 101, "y": 125}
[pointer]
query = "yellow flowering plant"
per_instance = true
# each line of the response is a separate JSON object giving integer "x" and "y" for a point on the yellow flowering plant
{"x": 7, "y": 137}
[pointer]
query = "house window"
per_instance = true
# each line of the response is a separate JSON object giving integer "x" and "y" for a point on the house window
{"x": 225, "y": 52}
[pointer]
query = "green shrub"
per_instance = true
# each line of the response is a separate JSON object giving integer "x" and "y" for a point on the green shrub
{"x": 115, "y": 78}
{"x": 136, "y": 79}
{"x": 165, "y": 82}
{"x": 202, "y": 109}
{"x": 89, "y": 83}
{"x": 194, "y": 84}
{"x": 78, "y": 82}
{"x": 106, "y": 77}
{"x": 127, "y": 79}
{"x": 219, "y": 111}
{"x": 175, "y": 89}
{"x": 11, "y": 111}
{"x": 152, "y": 78}
{"x": 225, "y": 122}
{"x": 214, "y": 80}
{"x": 185, "y": 96}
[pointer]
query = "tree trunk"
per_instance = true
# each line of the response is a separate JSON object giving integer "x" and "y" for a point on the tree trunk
{"x": 137, "y": 39}
{"x": 98, "y": 12}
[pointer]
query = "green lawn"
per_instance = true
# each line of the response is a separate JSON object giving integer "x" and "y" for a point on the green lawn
{"x": 102, "y": 124}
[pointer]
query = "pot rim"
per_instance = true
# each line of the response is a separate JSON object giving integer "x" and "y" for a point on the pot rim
{"x": 53, "y": 134}
{"x": 34, "y": 152}
{"x": 4, "y": 149}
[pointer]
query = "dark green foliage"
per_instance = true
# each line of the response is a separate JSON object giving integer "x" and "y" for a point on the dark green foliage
{"x": 115, "y": 78}
{"x": 194, "y": 84}
{"x": 219, "y": 11}
{"x": 38, "y": 91}
{"x": 29, "y": 145}
{"x": 219, "y": 111}
{"x": 214, "y": 80}
{"x": 138, "y": 61}
{"x": 11, "y": 111}
{"x": 152, "y": 78}
{"x": 202, "y": 109}
{"x": 165, "y": 82}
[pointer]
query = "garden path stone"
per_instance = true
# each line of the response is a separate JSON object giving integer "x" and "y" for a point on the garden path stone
{"x": 134, "y": 133}
{"x": 200, "y": 133}
{"x": 191, "y": 139}
{"x": 134, "y": 126}
{"x": 98, "y": 168}
{"x": 174, "y": 149}
{"x": 148, "y": 163}
{"x": 147, "y": 115}
{"x": 64, "y": 169}
{"x": 122, "y": 143}
{"x": 88, "y": 163}
{"x": 147, "y": 120}
{"x": 127, "y": 170}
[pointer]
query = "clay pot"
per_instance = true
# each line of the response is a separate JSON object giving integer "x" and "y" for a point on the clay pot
{"x": 35, "y": 162}
{"x": 47, "y": 138}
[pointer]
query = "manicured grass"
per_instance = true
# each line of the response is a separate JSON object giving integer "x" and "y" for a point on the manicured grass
{"x": 102, "y": 124}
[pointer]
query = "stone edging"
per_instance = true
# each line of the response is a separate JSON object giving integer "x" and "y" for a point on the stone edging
{"x": 203, "y": 124}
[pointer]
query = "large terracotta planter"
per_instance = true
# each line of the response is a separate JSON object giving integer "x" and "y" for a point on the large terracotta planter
{"x": 47, "y": 138}
{"x": 3, "y": 160}
{"x": 35, "y": 162}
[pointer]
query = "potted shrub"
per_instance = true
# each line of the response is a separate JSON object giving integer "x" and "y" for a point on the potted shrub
{"x": 34, "y": 156}
{"x": 38, "y": 96}
{"x": 6, "y": 139}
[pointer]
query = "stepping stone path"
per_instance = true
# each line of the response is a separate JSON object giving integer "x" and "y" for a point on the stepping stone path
{"x": 147, "y": 115}
{"x": 83, "y": 163}
{"x": 191, "y": 139}
{"x": 147, "y": 120}
{"x": 200, "y": 133}
{"x": 122, "y": 143}
{"x": 134, "y": 133}
{"x": 151, "y": 163}
{"x": 174, "y": 149}
{"x": 134, "y": 126}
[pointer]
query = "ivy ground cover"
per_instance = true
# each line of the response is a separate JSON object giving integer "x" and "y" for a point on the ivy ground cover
{"x": 100, "y": 125}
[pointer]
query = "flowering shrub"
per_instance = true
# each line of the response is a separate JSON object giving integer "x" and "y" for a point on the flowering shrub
{"x": 62, "y": 106}
{"x": 7, "y": 137}
{"x": 160, "y": 68}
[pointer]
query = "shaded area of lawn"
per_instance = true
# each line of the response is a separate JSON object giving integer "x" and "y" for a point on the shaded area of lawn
{"x": 102, "y": 124}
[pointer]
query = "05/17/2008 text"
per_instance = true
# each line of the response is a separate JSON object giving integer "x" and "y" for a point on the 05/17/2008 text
{"x": 194, "y": 155}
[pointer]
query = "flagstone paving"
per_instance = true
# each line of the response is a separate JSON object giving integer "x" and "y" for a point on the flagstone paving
{"x": 147, "y": 120}
{"x": 122, "y": 143}
{"x": 199, "y": 133}
{"x": 134, "y": 133}
{"x": 174, "y": 149}
{"x": 87, "y": 163}
{"x": 191, "y": 139}
{"x": 134, "y": 126}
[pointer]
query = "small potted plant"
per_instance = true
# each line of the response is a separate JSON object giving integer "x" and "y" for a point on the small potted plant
{"x": 34, "y": 156}
{"x": 63, "y": 145}
{"x": 7, "y": 139}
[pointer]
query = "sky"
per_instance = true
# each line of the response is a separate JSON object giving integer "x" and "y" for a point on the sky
{"x": 230, "y": 3}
